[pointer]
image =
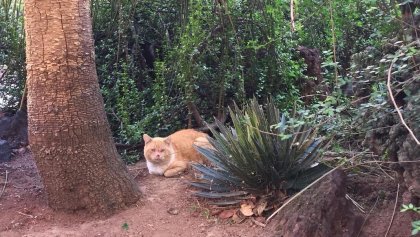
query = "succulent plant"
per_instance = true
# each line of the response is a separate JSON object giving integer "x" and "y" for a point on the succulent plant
{"x": 259, "y": 155}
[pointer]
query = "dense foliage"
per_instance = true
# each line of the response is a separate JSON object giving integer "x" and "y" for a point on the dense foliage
{"x": 341, "y": 68}
{"x": 166, "y": 56}
{"x": 12, "y": 54}
{"x": 162, "y": 62}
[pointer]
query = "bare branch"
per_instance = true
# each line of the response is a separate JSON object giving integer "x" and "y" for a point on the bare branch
{"x": 393, "y": 213}
{"x": 213, "y": 125}
{"x": 396, "y": 106}
{"x": 5, "y": 183}
{"x": 292, "y": 17}
{"x": 194, "y": 111}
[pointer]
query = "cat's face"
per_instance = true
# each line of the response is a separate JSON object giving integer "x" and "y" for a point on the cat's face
{"x": 156, "y": 150}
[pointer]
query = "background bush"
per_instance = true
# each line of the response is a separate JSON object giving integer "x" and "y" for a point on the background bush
{"x": 155, "y": 57}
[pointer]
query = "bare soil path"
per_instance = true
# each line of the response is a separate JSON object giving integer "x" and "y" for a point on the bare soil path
{"x": 166, "y": 209}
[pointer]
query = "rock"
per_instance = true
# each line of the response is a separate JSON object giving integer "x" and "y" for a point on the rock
{"x": 5, "y": 123}
{"x": 5, "y": 151}
{"x": 14, "y": 129}
{"x": 321, "y": 211}
{"x": 173, "y": 211}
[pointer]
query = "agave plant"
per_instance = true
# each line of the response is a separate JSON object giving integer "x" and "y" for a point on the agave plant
{"x": 260, "y": 154}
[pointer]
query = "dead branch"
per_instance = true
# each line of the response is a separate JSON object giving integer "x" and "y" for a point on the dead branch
{"x": 207, "y": 127}
{"x": 367, "y": 216}
{"x": 393, "y": 213}
{"x": 396, "y": 106}
{"x": 258, "y": 223}
{"x": 201, "y": 124}
{"x": 194, "y": 111}
{"x": 292, "y": 18}
{"x": 333, "y": 42}
{"x": 5, "y": 183}
{"x": 23, "y": 214}
{"x": 3, "y": 73}
{"x": 23, "y": 101}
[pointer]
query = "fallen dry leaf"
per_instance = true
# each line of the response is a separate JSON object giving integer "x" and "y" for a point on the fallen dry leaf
{"x": 225, "y": 214}
{"x": 246, "y": 210}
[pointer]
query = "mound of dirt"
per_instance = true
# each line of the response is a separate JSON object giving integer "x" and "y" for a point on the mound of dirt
{"x": 327, "y": 209}
{"x": 322, "y": 212}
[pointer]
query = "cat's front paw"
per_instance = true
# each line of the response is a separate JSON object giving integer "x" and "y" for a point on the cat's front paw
{"x": 172, "y": 173}
{"x": 155, "y": 172}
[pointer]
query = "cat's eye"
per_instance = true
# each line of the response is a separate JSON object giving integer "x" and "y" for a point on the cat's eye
{"x": 153, "y": 150}
{"x": 162, "y": 150}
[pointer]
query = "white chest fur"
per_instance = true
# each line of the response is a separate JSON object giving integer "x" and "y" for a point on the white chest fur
{"x": 156, "y": 168}
{"x": 159, "y": 169}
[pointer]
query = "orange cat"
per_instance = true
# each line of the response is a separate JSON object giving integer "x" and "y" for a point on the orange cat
{"x": 170, "y": 156}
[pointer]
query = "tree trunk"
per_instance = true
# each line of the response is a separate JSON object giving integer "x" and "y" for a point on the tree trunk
{"x": 69, "y": 133}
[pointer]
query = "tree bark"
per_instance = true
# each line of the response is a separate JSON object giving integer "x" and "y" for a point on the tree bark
{"x": 69, "y": 133}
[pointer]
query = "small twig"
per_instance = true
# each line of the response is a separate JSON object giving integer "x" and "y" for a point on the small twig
{"x": 307, "y": 130}
{"x": 367, "y": 216}
{"x": 395, "y": 104}
{"x": 30, "y": 216}
{"x": 333, "y": 42}
{"x": 359, "y": 99}
{"x": 372, "y": 129}
{"x": 379, "y": 166}
{"x": 355, "y": 203}
{"x": 346, "y": 154}
{"x": 5, "y": 183}
{"x": 137, "y": 174}
{"x": 3, "y": 73}
{"x": 299, "y": 193}
{"x": 258, "y": 223}
{"x": 393, "y": 213}
{"x": 23, "y": 100}
{"x": 384, "y": 162}
{"x": 116, "y": 117}
{"x": 311, "y": 95}
{"x": 138, "y": 168}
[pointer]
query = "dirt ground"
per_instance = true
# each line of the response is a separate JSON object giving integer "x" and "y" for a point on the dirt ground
{"x": 167, "y": 208}
{"x": 376, "y": 194}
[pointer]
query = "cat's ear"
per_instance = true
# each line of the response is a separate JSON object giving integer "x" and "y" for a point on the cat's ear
{"x": 146, "y": 138}
{"x": 168, "y": 140}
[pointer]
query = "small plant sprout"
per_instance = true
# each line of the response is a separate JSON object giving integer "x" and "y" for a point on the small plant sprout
{"x": 414, "y": 224}
{"x": 125, "y": 226}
